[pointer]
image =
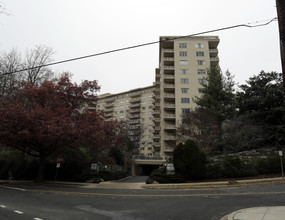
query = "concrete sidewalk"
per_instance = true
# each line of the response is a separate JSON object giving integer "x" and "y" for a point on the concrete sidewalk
{"x": 258, "y": 213}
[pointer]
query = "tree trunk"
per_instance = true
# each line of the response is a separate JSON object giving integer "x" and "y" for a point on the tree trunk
{"x": 40, "y": 177}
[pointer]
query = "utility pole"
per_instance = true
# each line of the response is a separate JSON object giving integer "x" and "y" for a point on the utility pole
{"x": 280, "y": 5}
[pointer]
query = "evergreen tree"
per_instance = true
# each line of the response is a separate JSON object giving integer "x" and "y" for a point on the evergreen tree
{"x": 218, "y": 95}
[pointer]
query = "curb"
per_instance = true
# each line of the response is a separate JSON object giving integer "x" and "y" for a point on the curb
{"x": 214, "y": 184}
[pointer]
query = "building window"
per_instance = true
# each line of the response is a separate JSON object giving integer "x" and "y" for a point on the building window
{"x": 185, "y": 110}
{"x": 183, "y": 53}
{"x": 201, "y": 71}
{"x": 143, "y": 119}
{"x": 150, "y": 101}
{"x": 143, "y": 108}
{"x": 149, "y": 107}
{"x": 122, "y": 106}
{"x": 149, "y": 113}
{"x": 150, "y": 118}
{"x": 199, "y": 45}
{"x": 182, "y": 45}
{"x": 149, "y": 148}
{"x": 184, "y": 90}
{"x": 184, "y": 81}
{"x": 202, "y": 81}
{"x": 201, "y": 62}
{"x": 121, "y": 112}
{"x": 183, "y": 62}
{"x": 200, "y": 54}
{"x": 127, "y": 111}
{"x": 185, "y": 100}
{"x": 183, "y": 71}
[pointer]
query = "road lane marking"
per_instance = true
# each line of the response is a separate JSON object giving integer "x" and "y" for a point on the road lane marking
{"x": 15, "y": 188}
{"x": 19, "y": 212}
{"x": 3, "y": 206}
{"x": 159, "y": 195}
{"x": 37, "y": 218}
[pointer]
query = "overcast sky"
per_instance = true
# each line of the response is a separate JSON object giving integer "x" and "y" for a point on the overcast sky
{"x": 81, "y": 27}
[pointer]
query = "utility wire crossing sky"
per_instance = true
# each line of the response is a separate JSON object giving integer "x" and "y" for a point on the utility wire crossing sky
{"x": 147, "y": 44}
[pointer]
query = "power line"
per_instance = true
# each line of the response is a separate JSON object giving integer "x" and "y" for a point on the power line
{"x": 249, "y": 25}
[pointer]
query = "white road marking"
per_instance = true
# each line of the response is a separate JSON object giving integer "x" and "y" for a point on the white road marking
{"x": 15, "y": 188}
{"x": 19, "y": 212}
{"x": 3, "y": 206}
{"x": 38, "y": 219}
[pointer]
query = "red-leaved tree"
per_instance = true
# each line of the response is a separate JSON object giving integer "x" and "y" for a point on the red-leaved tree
{"x": 40, "y": 119}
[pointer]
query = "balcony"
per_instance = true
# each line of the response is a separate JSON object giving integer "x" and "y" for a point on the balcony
{"x": 134, "y": 122}
{"x": 169, "y": 96}
{"x": 169, "y": 58}
{"x": 169, "y": 106}
{"x": 108, "y": 110}
{"x": 156, "y": 137}
{"x": 169, "y": 87}
{"x": 136, "y": 110}
{"x": 135, "y": 106}
{"x": 133, "y": 116}
{"x": 169, "y": 127}
{"x": 109, "y": 115}
{"x": 169, "y": 116}
{"x": 157, "y": 120}
{"x": 169, "y": 78}
{"x": 156, "y": 145}
{"x": 168, "y": 50}
{"x": 157, "y": 128}
{"x": 213, "y": 52}
{"x": 156, "y": 113}
{"x": 169, "y": 67}
{"x": 170, "y": 138}
{"x": 168, "y": 149}
{"x": 214, "y": 59}
{"x": 135, "y": 100}
{"x": 157, "y": 91}
{"x": 110, "y": 105}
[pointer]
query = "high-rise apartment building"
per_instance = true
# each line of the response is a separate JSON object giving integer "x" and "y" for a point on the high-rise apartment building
{"x": 158, "y": 109}
{"x": 183, "y": 64}
{"x": 136, "y": 108}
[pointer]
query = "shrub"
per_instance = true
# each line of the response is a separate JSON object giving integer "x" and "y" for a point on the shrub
{"x": 189, "y": 161}
{"x": 213, "y": 171}
{"x": 108, "y": 175}
{"x": 159, "y": 175}
{"x": 235, "y": 167}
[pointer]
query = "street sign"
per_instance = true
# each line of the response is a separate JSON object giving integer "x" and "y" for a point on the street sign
{"x": 94, "y": 166}
{"x": 58, "y": 165}
{"x": 59, "y": 160}
{"x": 280, "y": 153}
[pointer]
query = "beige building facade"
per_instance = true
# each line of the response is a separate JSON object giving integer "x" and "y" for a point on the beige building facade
{"x": 135, "y": 107}
{"x": 183, "y": 64}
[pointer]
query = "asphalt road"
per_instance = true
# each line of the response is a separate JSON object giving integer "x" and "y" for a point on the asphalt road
{"x": 68, "y": 203}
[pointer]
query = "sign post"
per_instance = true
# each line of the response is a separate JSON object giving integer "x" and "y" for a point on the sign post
{"x": 281, "y": 155}
{"x": 58, "y": 162}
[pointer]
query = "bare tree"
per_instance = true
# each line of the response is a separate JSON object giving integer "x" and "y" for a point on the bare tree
{"x": 35, "y": 61}
{"x": 200, "y": 126}
{"x": 9, "y": 62}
